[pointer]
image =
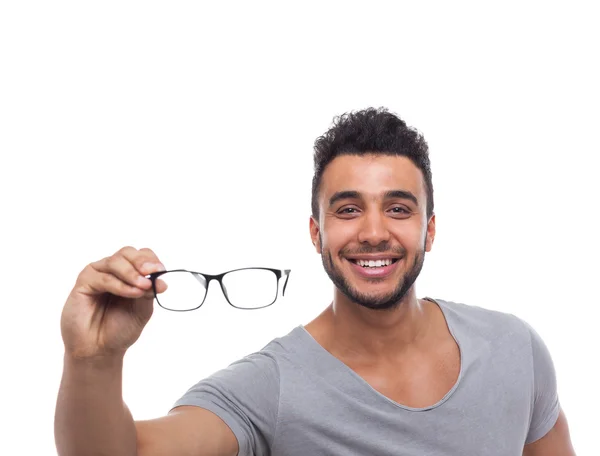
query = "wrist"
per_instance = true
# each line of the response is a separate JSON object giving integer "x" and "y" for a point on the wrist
{"x": 94, "y": 362}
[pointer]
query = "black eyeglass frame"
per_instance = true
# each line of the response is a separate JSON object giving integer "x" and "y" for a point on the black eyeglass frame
{"x": 279, "y": 273}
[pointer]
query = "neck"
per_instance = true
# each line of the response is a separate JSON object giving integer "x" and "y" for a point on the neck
{"x": 357, "y": 332}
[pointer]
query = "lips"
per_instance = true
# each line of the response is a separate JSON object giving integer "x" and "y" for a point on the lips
{"x": 374, "y": 262}
{"x": 374, "y": 272}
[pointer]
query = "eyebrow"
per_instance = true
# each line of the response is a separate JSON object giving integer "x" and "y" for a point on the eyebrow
{"x": 401, "y": 194}
{"x": 353, "y": 194}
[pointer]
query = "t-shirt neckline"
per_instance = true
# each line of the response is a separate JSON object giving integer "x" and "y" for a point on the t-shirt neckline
{"x": 328, "y": 357}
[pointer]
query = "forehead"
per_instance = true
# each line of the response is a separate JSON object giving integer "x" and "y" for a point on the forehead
{"x": 372, "y": 175}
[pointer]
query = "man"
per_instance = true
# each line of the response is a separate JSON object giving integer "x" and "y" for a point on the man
{"x": 379, "y": 372}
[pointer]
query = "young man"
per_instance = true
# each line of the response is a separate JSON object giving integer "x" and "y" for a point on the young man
{"x": 379, "y": 372}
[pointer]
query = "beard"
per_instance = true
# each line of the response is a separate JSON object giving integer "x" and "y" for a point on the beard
{"x": 388, "y": 301}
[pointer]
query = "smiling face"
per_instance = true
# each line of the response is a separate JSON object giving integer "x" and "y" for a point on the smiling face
{"x": 373, "y": 231}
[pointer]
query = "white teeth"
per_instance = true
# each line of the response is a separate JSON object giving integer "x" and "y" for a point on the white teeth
{"x": 374, "y": 263}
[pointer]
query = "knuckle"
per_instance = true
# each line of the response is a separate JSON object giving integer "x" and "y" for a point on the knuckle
{"x": 105, "y": 279}
{"x": 84, "y": 274}
{"x": 132, "y": 276}
{"x": 139, "y": 262}
{"x": 147, "y": 256}
{"x": 127, "y": 249}
{"x": 86, "y": 270}
{"x": 89, "y": 270}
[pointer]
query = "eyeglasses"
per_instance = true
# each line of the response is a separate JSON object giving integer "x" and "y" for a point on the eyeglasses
{"x": 246, "y": 288}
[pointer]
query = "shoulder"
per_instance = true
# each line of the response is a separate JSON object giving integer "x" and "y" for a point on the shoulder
{"x": 260, "y": 368}
{"x": 490, "y": 324}
{"x": 284, "y": 346}
{"x": 480, "y": 315}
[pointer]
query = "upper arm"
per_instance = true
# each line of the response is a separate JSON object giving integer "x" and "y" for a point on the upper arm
{"x": 557, "y": 442}
{"x": 544, "y": 401}
{"x": 233, "y": 411}
{"x": 186, "y": 431}
{"x": 245, "y": 396}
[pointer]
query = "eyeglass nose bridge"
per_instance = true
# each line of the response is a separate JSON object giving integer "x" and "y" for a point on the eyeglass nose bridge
{"x": 206, "y": 279}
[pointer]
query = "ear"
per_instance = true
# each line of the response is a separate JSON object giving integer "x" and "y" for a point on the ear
{"x": 315, "y": 233}
{"x": 430, "y": 233}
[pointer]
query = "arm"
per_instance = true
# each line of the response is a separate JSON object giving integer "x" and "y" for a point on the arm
{"x": 105, "y": 313}
{"x": 557, "y": 442}
{"x": 186, "y": 431}
{"x": 92, "y": 419}
{"x": 548, "y": 432}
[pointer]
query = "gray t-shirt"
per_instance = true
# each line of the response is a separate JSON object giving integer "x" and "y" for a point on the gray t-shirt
{"x": 294, "y": 398}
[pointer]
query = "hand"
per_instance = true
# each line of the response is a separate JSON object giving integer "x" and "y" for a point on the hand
{"x": 110, "y": 304}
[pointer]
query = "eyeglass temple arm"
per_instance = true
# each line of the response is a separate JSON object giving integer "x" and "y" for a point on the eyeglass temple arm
{"x": 286, "y": 272}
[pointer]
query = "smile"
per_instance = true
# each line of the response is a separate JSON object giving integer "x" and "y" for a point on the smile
{"x": 375, "y": 263}
{"x": 379, "y": 268}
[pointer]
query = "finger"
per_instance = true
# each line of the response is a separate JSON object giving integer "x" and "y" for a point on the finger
{"x": 121, "y": 268}
{"x": 161, "y": 286}
{"x": 144, "y": 260}
{"x": 101, "y": 282}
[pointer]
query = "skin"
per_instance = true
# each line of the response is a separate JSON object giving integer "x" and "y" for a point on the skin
{"x": 372, "y": 318}
{"x": 379, "y": 327}
{"x": 112, "y": 302}
{"x": 105, "y": 313}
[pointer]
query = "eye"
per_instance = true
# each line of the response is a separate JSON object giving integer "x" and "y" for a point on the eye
{"x": 399, "y": 210}
{"x": 348, "y": 211}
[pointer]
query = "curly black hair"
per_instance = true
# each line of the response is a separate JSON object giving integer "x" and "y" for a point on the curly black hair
{"x": 370, "y": 131}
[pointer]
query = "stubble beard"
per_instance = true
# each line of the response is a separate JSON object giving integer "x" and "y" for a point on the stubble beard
{"x": 386, "y": 302}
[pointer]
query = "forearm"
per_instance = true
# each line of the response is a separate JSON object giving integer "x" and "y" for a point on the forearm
{"x": 91, "y": 417}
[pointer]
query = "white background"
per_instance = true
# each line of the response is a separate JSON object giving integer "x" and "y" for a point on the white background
{"x": 189, "y": 129}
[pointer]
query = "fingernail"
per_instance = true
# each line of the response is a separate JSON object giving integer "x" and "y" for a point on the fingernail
{"x": 153, "y": 267}
{"x": 143, "y": 281}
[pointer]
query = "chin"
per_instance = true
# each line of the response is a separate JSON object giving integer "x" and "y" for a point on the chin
{"x": 378, "y": 293}
{"x": 385, "y": 302}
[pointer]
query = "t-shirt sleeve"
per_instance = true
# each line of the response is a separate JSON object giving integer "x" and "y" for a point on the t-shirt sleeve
{"x": 245, "y": 395}
{"x": 546, "y": 406}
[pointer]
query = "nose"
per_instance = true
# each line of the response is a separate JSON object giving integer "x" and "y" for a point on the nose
{"x": 373, "y": 229}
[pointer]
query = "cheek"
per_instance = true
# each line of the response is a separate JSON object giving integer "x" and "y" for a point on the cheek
{"x": 410, "y": 238}
{"x": 335, "y": 235}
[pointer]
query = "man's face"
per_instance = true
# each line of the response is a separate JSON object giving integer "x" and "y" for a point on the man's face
{"x": 373, "y": 231}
